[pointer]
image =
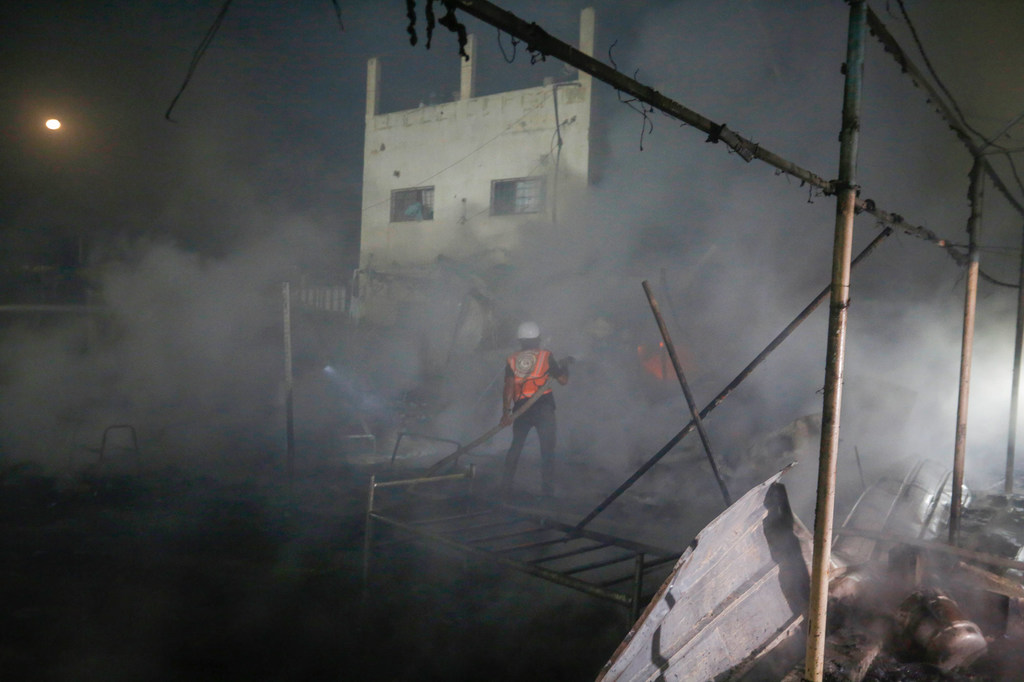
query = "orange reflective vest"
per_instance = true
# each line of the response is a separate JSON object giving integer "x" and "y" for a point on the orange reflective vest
{"x": 530, "y": 369}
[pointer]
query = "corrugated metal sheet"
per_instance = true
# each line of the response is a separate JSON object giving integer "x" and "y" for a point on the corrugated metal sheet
{"x": 736, "y": 592}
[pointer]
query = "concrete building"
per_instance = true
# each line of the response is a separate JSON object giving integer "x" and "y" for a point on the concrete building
{"x": 467, "y": 180}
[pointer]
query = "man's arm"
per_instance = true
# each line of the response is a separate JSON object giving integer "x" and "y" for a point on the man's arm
{"x": 560, "y": 370}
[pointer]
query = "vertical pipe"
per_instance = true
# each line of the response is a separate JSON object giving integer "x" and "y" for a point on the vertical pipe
{"x": 368, "y": 531}
{"x": 638, "y": 585}
{"x": 839, "y": 303}
{"x": 690, "y": 402}
{"x": 289, "y": 415}
{"x": 1011, "y": 446}
{"x": 966, "y": 350}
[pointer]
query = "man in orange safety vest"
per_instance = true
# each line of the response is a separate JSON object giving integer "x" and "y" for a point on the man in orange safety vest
{"x": 526, "y": 372}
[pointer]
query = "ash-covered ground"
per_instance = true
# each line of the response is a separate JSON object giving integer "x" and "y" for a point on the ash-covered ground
{"x": 172, "y": 575}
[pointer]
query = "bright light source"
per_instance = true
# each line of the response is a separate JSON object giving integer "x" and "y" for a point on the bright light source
{"x": 53, "y": 124}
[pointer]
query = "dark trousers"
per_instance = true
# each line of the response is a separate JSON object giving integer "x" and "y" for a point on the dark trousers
{"x": 542, "y": 418}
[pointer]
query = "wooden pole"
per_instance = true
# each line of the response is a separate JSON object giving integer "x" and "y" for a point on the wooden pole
{"x": 1011, "y": 446}
{"x": 690, "y": 402}
{"x": 966, "y": 350}
{"x": 839, "y": 304}
{"x": 288, "y": 382}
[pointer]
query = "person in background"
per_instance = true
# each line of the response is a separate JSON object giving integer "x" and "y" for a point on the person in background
{"x": 526, "y": 372}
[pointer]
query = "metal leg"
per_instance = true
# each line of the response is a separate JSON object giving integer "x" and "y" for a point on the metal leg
{"x": 638, "y": 584}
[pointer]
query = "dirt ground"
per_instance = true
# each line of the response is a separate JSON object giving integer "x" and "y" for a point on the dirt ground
{"x": 170, "y": 576}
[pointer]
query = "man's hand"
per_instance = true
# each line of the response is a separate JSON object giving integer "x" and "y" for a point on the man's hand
{"x": 506, "y": 418}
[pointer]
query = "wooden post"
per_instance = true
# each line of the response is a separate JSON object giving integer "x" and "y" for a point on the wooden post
{"x": 846, "y": 197}
{"x": 966, "y": 350}
{"x": 288, "y": 383}
{"x": 1011, "y": 446}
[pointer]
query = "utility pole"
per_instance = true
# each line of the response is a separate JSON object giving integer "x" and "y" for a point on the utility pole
{"x": 846, "y": 198}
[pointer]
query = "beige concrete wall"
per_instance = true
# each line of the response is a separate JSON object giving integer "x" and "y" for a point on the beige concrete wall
{"x": 459, "y": 148}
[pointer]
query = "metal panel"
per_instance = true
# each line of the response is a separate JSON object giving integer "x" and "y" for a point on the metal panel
{"x": 743, "y": 581}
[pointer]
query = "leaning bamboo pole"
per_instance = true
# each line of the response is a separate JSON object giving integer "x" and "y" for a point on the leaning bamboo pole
{"x": 839, "y": 305}
{"x": 966, "y": 350}
{"x": 687, "y": 393}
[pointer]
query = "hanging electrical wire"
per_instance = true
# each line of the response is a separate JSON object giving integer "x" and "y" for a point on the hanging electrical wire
{"x": 515, "y": 44}
{"x": 647, "y": 125}
{"x": 931, "y": 70}
{"x": 204, "y": 44}
{"x": 1006, "y": 128}
{"x": 197, "y": 56}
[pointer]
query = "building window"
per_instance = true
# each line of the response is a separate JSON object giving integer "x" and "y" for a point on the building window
{"x": 522, "y": 195}
{"x": 409, "y": 205}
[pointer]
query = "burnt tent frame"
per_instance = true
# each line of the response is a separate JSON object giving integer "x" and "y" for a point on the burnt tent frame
{"x": 540, "y": 44}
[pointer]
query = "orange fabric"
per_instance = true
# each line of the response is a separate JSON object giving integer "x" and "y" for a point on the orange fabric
{"x": 530, "y": 369}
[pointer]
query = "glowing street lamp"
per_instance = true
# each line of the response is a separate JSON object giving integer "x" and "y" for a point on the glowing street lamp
{"x": 53, "y": 124}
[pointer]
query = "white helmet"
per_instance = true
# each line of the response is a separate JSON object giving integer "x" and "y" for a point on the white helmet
{"x": 528, "y": 330}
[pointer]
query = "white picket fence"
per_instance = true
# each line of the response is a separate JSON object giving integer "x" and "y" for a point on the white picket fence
{"x": 330, "y": 299}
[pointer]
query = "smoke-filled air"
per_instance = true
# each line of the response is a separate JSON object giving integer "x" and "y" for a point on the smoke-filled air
{"x": 182, "y": 257}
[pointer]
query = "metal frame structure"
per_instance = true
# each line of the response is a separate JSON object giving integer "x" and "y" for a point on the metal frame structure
{"x": 599, "y": 565}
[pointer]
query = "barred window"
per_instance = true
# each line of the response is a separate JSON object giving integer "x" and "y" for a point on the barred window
{"x": 520, "y": 195}
{"x": 408, "y": 205}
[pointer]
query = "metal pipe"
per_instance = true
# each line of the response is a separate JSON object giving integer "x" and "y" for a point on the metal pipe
{"x": 135, "y": 442}
{"x": 402, "y": 434}
{"x": 507, "y": 536}
{"x": 288, "y": 381}
{"x": 484, "y": 526}
{"x": 456, "y": 517}
{"x": 598, "y": 564}
{"x": 54, "y": 308}
{"x": 571, "y": 552}
{"x": 1011, "y": 445}
{"x": 690, "y": 402}
{"x": 535, "y": 545}
{"x": 977, "y": 193}
{"x": 368, "y": 531}
{"x": 731, "y": 386}
{"x": 638, "y": 584}
{"x": 424, "y": 479}
{"x": 839, "y": 304}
